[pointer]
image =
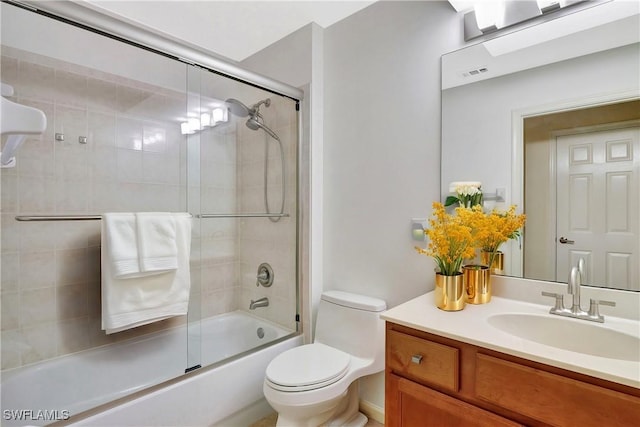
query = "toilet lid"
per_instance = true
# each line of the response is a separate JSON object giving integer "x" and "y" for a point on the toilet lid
{"x": 307, "y": 367}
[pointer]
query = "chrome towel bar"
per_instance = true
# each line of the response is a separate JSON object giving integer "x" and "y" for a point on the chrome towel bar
{"x": 27, "y": 218}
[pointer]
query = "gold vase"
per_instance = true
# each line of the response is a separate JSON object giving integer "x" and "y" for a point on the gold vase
{"x": 477, "y": 283}
{"x": 450, "y": 293}
{"x": 497, "y": 267}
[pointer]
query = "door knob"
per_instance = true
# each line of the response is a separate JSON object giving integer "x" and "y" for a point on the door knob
{"x": 566, "y": 241}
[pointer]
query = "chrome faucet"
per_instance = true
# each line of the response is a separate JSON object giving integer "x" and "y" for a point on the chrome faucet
{"x": 573, "y": 288}
{"x": 262, "y": 302}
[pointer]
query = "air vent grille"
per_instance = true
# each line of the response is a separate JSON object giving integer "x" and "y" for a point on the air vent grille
{"x": 475, "y": 72}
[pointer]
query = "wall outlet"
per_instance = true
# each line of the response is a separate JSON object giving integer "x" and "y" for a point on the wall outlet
{"x": 418, "y": 225}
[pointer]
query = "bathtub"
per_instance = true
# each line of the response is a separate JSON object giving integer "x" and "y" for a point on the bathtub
{"x": 230, "y": 380}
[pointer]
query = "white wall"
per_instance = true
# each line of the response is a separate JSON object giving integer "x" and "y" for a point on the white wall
{"x": 382, "y": 149}
{"x": 382, "y": 144}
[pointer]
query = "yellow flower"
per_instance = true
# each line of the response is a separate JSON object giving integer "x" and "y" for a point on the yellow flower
{"x": 453, "y": 238}
{"x": 493, "y": 229}
{"x": 450, "y": 239}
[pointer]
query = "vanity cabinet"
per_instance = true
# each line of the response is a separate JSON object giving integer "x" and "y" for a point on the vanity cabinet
{"x": 437, "y": 381}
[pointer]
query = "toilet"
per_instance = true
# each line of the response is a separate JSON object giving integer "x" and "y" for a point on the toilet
{"x": 316, "y": 384}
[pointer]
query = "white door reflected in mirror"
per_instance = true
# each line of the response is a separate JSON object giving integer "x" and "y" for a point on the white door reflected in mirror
{"x": 599, "y": 168}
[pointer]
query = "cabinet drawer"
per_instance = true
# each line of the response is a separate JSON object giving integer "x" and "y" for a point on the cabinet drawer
{"x": 552, "y": 399}
{"x": 423, "y": 360}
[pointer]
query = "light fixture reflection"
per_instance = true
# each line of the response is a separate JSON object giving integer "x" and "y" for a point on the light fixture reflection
{"x": 220, "y": 115}
{"x": 217, "y": 116}
{"x": 205, "y": 120}
{"x": 185, "y": 129}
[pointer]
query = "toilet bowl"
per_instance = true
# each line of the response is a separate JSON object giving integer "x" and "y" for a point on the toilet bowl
{"x": 316, "y": 384}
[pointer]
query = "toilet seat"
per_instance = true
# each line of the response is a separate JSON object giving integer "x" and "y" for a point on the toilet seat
{"x": 307, "y": 367}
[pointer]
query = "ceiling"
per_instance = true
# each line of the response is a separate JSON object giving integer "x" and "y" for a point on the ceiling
{"x": 233, "y": 29}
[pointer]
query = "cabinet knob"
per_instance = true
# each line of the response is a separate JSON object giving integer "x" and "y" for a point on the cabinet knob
{"x": 416, "y": 358}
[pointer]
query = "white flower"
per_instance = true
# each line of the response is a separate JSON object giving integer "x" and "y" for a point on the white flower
{"x": 466, "y": 188}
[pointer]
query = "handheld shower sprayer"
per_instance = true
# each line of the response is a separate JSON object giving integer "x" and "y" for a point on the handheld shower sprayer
{"x": 255, "y": 122}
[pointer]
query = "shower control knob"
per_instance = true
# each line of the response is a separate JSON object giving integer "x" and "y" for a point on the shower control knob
{"x": 265, "y": 275}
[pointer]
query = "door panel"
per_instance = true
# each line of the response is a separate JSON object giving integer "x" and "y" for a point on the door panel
{"x": 599, "y": 169}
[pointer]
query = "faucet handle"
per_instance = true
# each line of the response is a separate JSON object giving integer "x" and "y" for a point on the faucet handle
{"x": 594, "y": 312}
{"x": 559, "y": 306}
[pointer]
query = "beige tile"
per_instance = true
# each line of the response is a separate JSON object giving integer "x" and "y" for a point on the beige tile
{"x": 71, "y": 266}
{"x": 129, "y": 99}
{"x": 72, "y": 301}
{"x": 35, "y": 81}
{"x": 37, "y": 306}
{"x": 10, "y": 310}
{"x": 101, "y": 95}
{"x": 36, "y": 195}
{"x": 10, "y": 349}
{"x": 36, "y": 156}
{"x": 9, "y": 70}
{"x": 102, "y": 129}
{"x": 37, "y": 270}
{"x": 37, "y": 343}
{"x": 36, "y": 237}
{"x": 154, "y": 138}
{"x": 72, "y": 195}
{"x": 72, "y": 335}
{"x": 71, "y": 89}
{"x": 72, "y": 123}
{"x": 129, "y": 133}
{"x": 9, "y": 194}
{"x": 10, "y": 262}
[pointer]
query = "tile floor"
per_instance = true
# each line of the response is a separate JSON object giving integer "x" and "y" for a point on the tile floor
{"x": 270, "y": 421}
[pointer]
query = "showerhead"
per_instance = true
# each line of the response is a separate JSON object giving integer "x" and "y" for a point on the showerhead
{"x": 254, "y": 124}
{"x": 237, "y": 108}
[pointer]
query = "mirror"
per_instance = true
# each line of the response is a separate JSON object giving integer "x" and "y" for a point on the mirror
{"x": 517, "y": 113}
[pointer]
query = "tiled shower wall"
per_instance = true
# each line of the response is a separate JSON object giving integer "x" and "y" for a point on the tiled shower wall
{"x": 232, "y": 181}
{"x": 134, "y": 160}
{"x": 260, "y": 239}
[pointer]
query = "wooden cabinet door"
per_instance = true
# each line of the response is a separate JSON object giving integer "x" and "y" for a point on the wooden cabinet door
{"x": 412, "y": 405}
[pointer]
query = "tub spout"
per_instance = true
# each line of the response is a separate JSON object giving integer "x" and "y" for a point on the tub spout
{"x": 262, "y": 302}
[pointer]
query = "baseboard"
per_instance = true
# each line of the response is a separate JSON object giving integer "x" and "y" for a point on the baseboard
{"x": 372, "y": 411}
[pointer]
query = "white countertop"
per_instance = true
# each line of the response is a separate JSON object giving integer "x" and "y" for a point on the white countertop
{"x": 471, "y": 326}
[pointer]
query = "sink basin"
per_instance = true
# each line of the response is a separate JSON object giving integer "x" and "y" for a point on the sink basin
{"x": 569, "y": 334}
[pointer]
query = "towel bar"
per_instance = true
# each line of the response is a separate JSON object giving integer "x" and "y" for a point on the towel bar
{"x": 98, "y": 217}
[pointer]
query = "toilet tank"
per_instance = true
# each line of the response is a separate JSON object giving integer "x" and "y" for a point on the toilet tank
{"x": 351, "y": 323}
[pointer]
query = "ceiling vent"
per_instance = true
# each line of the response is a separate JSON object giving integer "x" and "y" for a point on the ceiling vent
{"x": 475, "y": 72}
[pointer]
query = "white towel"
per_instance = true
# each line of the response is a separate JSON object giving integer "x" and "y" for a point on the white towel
{"x": 119, "y": 230}
{"x": 135, "y": 301}
{"x": 156, "y": 238}
{"x": 141, "y": 244}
